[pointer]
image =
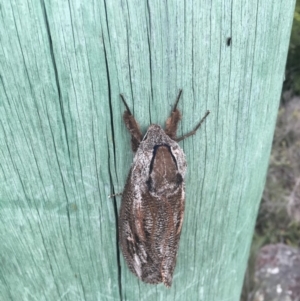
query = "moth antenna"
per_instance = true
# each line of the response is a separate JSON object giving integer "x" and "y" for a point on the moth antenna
{"x": 177, "y": 99}
{"x": 125, "y": 103}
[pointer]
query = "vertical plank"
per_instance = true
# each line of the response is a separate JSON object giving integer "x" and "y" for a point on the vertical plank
{"x": 64, "y": 147}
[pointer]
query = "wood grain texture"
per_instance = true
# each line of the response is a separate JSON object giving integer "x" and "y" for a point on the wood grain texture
{"x": 64, "y": 147}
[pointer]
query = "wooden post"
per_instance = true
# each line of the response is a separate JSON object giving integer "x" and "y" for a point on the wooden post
{"x": 64, "y": 147}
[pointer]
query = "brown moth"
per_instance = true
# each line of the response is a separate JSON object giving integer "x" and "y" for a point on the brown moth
{"x": 152, "y": 208}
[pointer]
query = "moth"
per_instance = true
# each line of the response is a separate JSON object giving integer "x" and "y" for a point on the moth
{"x": 151, "y": 213}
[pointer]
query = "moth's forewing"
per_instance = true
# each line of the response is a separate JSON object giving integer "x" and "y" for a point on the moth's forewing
{"x": 152, "y": 208}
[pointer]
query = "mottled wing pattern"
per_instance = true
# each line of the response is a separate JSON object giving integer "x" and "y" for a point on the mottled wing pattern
{"x": 151, "y": 218}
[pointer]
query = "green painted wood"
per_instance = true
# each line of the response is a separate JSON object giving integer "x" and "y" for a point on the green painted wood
{"x": 64, "y": 147}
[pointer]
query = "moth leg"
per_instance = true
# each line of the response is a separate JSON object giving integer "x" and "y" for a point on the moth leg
{"x": 172, "y": 121}
{"x": 132, "y": 126}
{"x": 116, "y": 194}
{"x": 194, "y": 130}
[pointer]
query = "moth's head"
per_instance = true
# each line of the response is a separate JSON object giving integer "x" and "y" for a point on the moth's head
{"x": 155, "y": 135}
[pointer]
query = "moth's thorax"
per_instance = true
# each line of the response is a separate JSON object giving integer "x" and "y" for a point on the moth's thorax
{"x": 159, "y": 162}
